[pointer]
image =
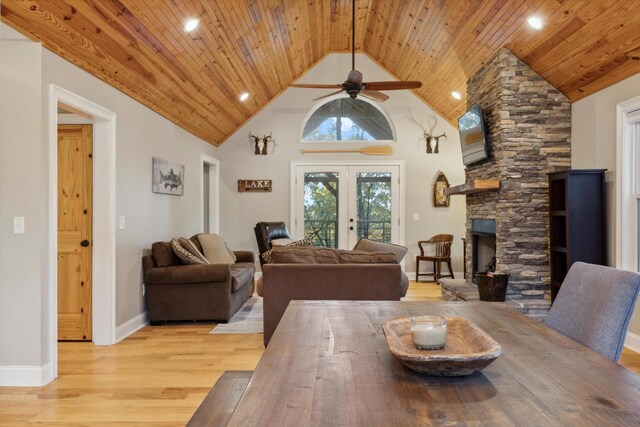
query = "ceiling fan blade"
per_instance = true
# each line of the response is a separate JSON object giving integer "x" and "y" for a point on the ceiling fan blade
{"x": 392, "y": 85}
{"x": 312, "y": 86}
{"x": 355, "y": 77}
{"x": 375, "y": 95}
{"x": 328, "y": 95}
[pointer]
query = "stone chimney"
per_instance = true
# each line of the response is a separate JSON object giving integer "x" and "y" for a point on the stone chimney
{"x": 528, "y": 122}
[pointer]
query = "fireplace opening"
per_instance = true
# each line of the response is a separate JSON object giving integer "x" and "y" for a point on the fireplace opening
{"x": 483, "y": 240}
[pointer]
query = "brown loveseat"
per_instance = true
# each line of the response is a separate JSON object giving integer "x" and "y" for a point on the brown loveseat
{"x": 195, "y": 292}
{"x": 326, "y": 274}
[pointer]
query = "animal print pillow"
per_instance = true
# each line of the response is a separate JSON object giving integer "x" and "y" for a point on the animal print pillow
{"x": 187, "y": 251}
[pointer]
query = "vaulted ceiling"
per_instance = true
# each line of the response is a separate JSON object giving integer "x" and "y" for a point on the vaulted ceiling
{"x": 260, "y": 46}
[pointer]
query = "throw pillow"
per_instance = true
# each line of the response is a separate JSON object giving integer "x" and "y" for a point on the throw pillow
{"x": 163, "y": 254}
{"x": 266, "y": 256}
{"x": 192, "y": 248}
{"x": 195, "y": 239}
{"x": 366, "y": 245}
{"x": 187, "y": 256}
{"x": 215, "y": 249}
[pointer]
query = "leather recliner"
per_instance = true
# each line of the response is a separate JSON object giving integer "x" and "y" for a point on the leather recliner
{"x": 268, "y": 231}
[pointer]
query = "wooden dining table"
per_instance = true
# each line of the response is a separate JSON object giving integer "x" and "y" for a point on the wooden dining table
{"x": 328, "y": 364}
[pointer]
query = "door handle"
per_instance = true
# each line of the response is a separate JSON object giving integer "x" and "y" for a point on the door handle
{"x": 84, "y": 243}
{"x": 351, "y": 227}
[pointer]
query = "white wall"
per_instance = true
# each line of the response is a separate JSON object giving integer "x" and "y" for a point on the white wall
{"x": 27, "y": 71}
{"x": 593, "y": 145}
{"x": 284, "y": 118}
{"x": 140, "y": 135}
{"x": 21, "y": 194}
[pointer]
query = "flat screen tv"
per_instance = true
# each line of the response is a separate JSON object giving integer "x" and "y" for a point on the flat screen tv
{"x": 472, "y": 136}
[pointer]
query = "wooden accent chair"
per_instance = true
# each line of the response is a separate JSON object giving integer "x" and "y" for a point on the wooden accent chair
{"x": 442, "y": 254}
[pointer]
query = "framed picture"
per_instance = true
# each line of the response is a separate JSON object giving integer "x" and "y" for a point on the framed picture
{"x": 168, "y": 177}
{"x": 440, "y": 200}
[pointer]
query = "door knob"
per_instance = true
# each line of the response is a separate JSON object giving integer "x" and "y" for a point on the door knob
{"x": 84, "y": 243}
{"x": 351, "y": 227}
{"x": 350, "y": 219}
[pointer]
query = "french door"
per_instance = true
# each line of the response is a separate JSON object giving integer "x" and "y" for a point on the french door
{"x": 336, "y": 205}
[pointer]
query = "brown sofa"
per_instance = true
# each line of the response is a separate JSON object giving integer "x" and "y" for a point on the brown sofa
{"x": 327, "y": 274}
{"x": 195, "y": 292}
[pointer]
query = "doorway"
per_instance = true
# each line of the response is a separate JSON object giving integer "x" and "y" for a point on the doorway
{"x": 210, "y": 194}
{"x": 337, "y": 205}
{"x": 103, "y": 263}
{"x": 75, "y": 220}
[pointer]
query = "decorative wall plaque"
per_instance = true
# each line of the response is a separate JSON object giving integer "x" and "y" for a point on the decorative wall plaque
{"x": 167, "y": 177}
{"x": 440, "y": 199}
{"x": 254, "y": 185}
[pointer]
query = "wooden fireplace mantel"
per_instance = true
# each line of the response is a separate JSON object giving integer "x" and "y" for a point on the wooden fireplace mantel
{"x": 473, "y": 186}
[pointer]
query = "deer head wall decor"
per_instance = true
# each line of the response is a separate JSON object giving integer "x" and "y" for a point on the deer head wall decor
{"x": 428, "y": 131}
{"x": 431, "y": 147}
{"x": 261, "y": 143}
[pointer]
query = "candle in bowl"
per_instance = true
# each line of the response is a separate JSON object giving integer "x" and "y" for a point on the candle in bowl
{"x": 429, "y": 332}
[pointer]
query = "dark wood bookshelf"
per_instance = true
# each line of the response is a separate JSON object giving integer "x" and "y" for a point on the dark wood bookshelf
{"x": 577, "y": 221}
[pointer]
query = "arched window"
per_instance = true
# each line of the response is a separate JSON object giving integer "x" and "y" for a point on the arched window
{"x": 346, "y": 119}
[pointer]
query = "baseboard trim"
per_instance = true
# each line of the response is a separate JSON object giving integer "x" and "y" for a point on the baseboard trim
{"x": 25, "y": 375}
{"x": 131, "y": 326}
{"x": 632, "y": 342}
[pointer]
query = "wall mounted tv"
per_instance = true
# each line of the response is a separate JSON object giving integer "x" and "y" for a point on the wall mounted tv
{"x": 472, "y": 136}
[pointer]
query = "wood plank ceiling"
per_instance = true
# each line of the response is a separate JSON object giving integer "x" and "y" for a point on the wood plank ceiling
{"x": 260, "y": 46}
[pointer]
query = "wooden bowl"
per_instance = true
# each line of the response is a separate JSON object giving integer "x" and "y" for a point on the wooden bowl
{"x": 468, "y": 350}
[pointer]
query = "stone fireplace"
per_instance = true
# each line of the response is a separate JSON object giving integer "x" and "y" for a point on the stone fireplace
{"x": 528, "y": 123}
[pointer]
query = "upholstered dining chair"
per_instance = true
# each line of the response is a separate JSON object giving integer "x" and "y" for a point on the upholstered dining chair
{"x": 442, "y": 254}
{"x": 594, "y": 306}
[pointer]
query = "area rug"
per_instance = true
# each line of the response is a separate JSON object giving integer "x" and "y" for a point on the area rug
{"x": 247, "y": 320}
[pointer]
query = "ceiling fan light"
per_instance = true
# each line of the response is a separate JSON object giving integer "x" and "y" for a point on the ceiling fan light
{"x": 456, "y": 95}
{"x": 535, "y": 22}
{"x": 191, "y": 24}
{"x": 244, "y": 96}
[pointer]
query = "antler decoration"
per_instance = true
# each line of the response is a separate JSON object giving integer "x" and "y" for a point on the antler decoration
{"x": 430, "y": 139}
{"x": 428, "y": 130}
{"x": 266, "y": 140}
{"x": 256, "y": 141}
{"x": 260, "y": 143}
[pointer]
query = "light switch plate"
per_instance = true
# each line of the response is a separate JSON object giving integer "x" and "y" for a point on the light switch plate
{"x": 121, "y": 223}
{"x": 416, "y": 217}
{"x": 18, "y": 225}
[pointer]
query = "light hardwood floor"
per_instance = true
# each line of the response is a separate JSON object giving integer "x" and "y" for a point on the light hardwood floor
{"x": 156, "y": 377}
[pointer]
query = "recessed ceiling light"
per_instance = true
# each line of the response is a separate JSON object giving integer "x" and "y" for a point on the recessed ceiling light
{"x": 456, "y": 95}
{"x": 244, "y": 96}
{"x": 191, "y": 24}
{"x": 535, "y": 22}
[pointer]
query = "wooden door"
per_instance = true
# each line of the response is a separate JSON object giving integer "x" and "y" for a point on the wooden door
{"x": 75, "y": 143}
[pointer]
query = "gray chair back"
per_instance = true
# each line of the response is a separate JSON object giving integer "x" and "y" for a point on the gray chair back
{"x": 594, "y": 306}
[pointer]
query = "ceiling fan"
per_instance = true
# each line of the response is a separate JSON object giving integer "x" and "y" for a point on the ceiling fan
{"x": 354, "y": 85}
